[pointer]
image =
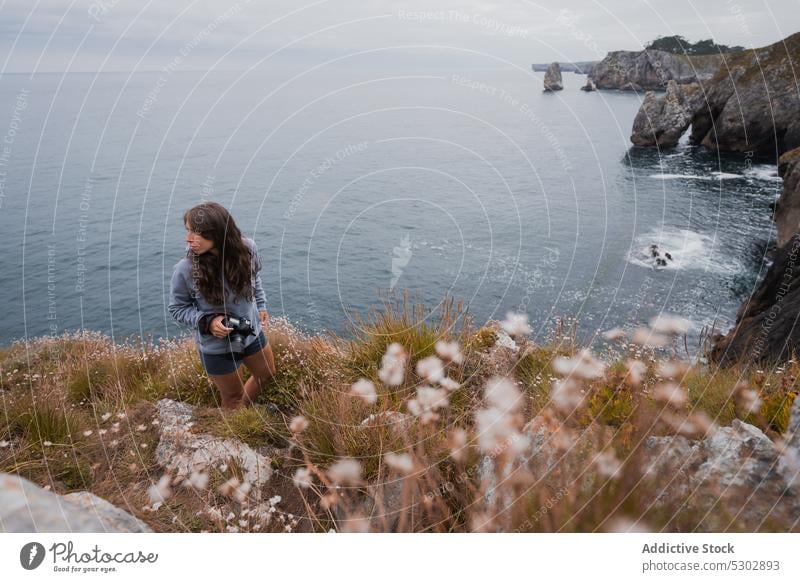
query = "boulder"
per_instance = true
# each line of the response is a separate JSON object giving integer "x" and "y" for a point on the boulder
{"x": 27, "y": 508}
{"x": 661, "y": 120}
{"x": 589, "y": 86}
{"x": 552, "y": 78}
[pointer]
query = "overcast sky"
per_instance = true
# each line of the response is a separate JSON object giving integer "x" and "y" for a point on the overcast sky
{"x": 123, "y": 35}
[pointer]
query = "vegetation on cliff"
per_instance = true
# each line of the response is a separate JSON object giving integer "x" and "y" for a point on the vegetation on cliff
{"x": 418, "y": 422}
{"x": 678, "y": 45}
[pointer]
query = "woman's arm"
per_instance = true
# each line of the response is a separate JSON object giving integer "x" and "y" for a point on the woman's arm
{"x": 182, "y": 307}
{"x": 261, "y": 297}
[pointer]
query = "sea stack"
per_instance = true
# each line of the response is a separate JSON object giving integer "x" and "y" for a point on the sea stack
{"x": 552, "y": 78}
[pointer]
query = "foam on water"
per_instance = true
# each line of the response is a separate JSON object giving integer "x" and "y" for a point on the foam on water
{"x": 766, "y": 172}
{"x": 689, "y": 250}
{"x": 712, "y": 176}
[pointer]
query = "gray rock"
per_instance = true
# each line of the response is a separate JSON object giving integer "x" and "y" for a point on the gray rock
{"x": 661, "y": 120}
{"x": 589, "y": 86}
{"x": 736, "y": 477}
{"x": 652, "y": 69}
{"x": 112, "y": 516}
{"x": 26, "y": 507}
{"x": 552, "y": 78}
{"x": 183, "y": 452}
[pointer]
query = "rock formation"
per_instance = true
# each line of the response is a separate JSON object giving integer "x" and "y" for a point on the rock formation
{"x": 27, "y": 508}
{"x": 183, "y": 452}
{"x": 589, "y": 86}
{"x": 751, "y": 104}
{"x": 766, "y": 324}
{"x": 661, "y": 120}
{"x": 552, "y": 78}
{"x": 651, "y": 69}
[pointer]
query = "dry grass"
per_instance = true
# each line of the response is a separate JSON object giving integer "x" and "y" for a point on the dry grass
{"x": 421, "y": 466}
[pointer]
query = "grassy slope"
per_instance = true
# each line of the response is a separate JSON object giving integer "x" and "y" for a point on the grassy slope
{"x": 56, "y": 388}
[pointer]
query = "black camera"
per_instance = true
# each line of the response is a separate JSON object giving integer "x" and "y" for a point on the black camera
{"x": 242, "y": 328}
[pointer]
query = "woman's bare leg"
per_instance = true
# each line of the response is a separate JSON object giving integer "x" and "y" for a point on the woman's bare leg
{"x": 230, "y": 388}
{"x": 262, "y": 370}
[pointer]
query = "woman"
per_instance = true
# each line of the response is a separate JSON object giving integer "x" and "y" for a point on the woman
{"x": 220, "y": 277}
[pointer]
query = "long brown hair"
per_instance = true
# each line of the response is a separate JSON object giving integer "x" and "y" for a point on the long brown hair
{"x": 233, "y": 261}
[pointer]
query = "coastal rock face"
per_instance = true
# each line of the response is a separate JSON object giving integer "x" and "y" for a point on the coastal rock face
{"x": 765, "y": 326}
{"x": 737, "y": 476}
{"x": 27, "y": 508}
{"x": 651, "y": 69}
{"x": 787, "y": 213}
{"x": 552, "y": 78}
{"x": 661, "y": 120}
{"x": 589, "y": 86}
{"x": 753, "y": 103}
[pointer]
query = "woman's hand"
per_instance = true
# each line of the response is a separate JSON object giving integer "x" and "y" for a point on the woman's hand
{"x": 264, "y": 318}
{"x": 217, "y": 329}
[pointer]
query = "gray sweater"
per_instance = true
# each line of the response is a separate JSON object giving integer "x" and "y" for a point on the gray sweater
{"x": 187, "y": 305}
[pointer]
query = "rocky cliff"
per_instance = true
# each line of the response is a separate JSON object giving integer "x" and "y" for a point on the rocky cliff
{"x": 661, "y": 120}
{"x": 766, "y": 328}
{"x": 752, "y": 104}
{"x": 652, "y": 69}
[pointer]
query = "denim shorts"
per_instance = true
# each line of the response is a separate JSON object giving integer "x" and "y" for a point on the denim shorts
{"x": 228, "y": 362}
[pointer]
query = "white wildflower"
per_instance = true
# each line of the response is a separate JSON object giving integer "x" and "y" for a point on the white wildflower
{"x": 607, "y": 464}
{"x": 365, "y": 390}
{"x": 197, "y": 480}
{"x": 160, "y": 491}
{"x": 500, "y": 392}
{"x": 614, "y": 334}
{"x": 298, "y": 424}
{"x": 748, "y": 401}
{"x": 636, "y": 371}
{"x": 229, "y": 487}
{"x": 393, "y": 365}
{"x": 87, "y": 433}
{"x": 449, "y": 384}
{"x": 457, "y": 443}
{"x": 671, "y": 393}
{"x": 627, "y": 525}
{"x": 495, "y": 429}
{"x": 566, "y": 395}
{"x": 402, "y": 463}
{"x": 344, "y": 471}
{"x": 302, "y": 478}
{"x": 430, "y": 369}
{"x": 106, "y": 416}
{"x": 670, "y": 324}
{"x": 644, "y": 336}
{"x": 449, "y": 351}
{"x": 673, "y": 369}
{"x": 516, "y": 324}
{"x": 427, "y": 402}
{"x": 583, "y": 365}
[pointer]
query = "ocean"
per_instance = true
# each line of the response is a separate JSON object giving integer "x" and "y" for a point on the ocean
{"x": 358, "y": 185}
